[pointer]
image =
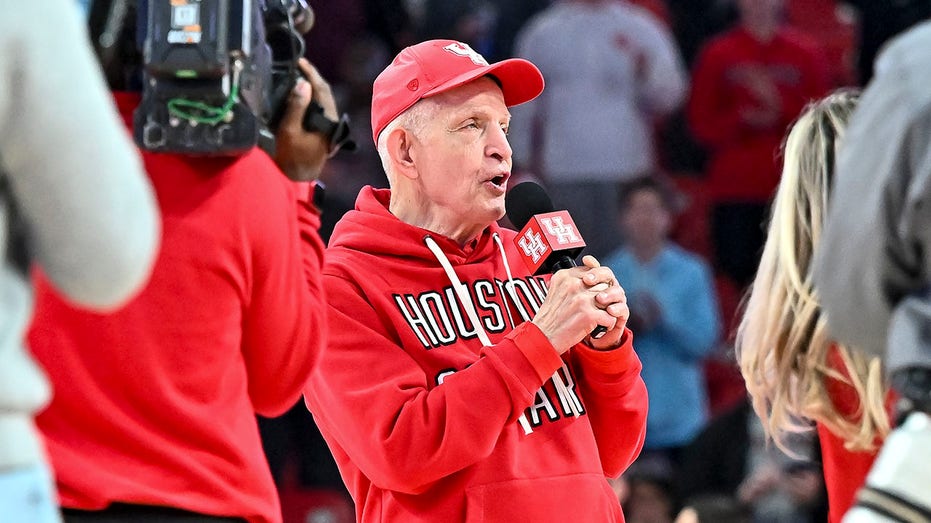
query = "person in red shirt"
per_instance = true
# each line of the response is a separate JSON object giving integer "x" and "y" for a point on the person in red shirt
{"x": 793, "y": 370}
{"x": 154, "y": 412}
{"x": 748, "y": 85}
{"x": 456, "y": 386}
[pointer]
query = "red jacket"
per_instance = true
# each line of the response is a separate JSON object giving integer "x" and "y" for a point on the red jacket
{"x": 425, "y": 422}
{"x": 155, "y": 403}
{"x": 743, "y": 163}
{"x": 844, "y": 471}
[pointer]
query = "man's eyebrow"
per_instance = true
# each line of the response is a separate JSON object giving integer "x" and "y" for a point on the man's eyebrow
{"x": 471, "y": 111}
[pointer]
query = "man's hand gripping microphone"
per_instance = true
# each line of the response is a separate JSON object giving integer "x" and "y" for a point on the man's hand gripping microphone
{"x": 548, "y": 239}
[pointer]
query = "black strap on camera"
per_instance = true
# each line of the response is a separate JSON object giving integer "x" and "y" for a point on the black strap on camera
{"x": 336, "y": 132}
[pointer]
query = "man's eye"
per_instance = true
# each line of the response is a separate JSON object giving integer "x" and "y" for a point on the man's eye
{"x": 471, "y": 125}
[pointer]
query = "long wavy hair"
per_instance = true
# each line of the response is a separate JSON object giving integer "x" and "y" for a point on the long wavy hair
{"x": 782, "y": 340}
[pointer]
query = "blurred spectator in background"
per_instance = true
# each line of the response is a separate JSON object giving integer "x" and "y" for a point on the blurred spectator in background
{"x": 834, "y": 26}
{"x": 468, "y": 21}
{"x": 791, "y": 367}
{"x": 673, "y": 313}
{"x": 713, "y": 509}
{"x": 748, "y": 85}
{"x": 611, "y": 69}
{"x": 732, "y": 458}
{"x": 154, "y": 419}
{"x": 650, "y": 495}
{"x": 75, "y": 201}
{"x": 692, "y": 23}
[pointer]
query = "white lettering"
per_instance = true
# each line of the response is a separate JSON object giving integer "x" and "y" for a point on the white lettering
{"x": 416, "y": 318}
{"x": 563, "y": 232}
{"x": 445, "y": 331}
{"x": 533, "y": 245}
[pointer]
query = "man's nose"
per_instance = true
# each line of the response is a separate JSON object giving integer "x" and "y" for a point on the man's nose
{"x": 498, "y": 146}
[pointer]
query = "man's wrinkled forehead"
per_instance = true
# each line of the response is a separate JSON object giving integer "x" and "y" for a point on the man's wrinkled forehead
{"x": 466, "y": 96}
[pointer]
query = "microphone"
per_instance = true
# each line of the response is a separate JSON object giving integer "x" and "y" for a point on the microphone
{"x": 549, "y": 240}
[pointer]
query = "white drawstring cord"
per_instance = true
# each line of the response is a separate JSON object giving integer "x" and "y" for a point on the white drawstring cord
{"x": 558, "y": 382}
{"x": 508, "y": 285}
{"x": 463, "y": 294}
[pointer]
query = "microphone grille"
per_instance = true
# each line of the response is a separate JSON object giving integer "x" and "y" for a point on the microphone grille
{"x": 524, "y": 200}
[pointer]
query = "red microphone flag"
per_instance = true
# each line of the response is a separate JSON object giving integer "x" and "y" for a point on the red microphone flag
{"x": 546, "y": 235}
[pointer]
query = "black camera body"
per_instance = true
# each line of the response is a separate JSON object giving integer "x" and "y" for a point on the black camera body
{"x": 216, "y": 73}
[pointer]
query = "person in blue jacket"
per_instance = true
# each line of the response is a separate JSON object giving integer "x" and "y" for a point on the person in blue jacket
{"x": 674, "y": 315}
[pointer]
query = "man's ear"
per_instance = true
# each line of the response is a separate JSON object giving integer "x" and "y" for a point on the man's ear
{"x": 400, "y": 143}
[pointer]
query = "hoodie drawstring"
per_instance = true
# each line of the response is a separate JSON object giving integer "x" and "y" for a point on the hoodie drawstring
{"x": 557, "y": 379}
{"x": 466, "y": 301}
{"x": 462, "y": 293}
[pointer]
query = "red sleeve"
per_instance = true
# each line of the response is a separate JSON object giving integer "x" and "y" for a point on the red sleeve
{"x": 284, "y": 321}
{"x": 415, "y": 433}
{"x": 712, "y": 115}
{"x": 616, "y": 399}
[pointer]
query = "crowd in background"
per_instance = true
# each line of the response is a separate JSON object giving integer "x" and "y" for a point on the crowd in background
{"x": 659, "y": 130}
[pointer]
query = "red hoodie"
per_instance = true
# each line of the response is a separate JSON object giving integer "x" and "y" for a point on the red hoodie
{"x": 743, "y": 162}
{"x": 429, "y": 425}
{"x": 155, "y": 404}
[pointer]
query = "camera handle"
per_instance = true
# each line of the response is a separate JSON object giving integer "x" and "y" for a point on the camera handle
{"x": 336, "y": 132}
{"x": 314, "y": 121}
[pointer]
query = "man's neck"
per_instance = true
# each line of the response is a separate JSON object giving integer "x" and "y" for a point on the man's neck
{"x": 418, "y": 215}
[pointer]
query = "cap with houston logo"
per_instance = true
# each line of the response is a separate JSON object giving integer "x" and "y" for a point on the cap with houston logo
{"x": 435, "y": 66}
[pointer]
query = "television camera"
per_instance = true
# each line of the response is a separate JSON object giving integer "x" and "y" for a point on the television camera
{"x": 216, "y": 74}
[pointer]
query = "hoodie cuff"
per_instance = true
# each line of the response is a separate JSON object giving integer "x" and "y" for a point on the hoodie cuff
{"x": 539, "y": 354}
{"x": 619, "y": 360}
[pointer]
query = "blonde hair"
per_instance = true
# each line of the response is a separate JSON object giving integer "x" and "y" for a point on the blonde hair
{"x": 782, "y": 341}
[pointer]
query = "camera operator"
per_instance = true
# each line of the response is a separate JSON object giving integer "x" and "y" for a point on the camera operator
{"x": 154, "y": 413}
{"x": 83, "y": 213}
{"x": 874, "y": 269}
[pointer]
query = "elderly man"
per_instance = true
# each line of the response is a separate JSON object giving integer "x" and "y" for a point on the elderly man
{"x": 456, "y": 386}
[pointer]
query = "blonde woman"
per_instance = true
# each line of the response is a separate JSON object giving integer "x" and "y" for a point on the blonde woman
{"x": 792, "y": 368}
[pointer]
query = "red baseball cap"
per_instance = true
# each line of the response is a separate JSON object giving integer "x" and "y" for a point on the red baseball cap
{"x": 435, "y": 66}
